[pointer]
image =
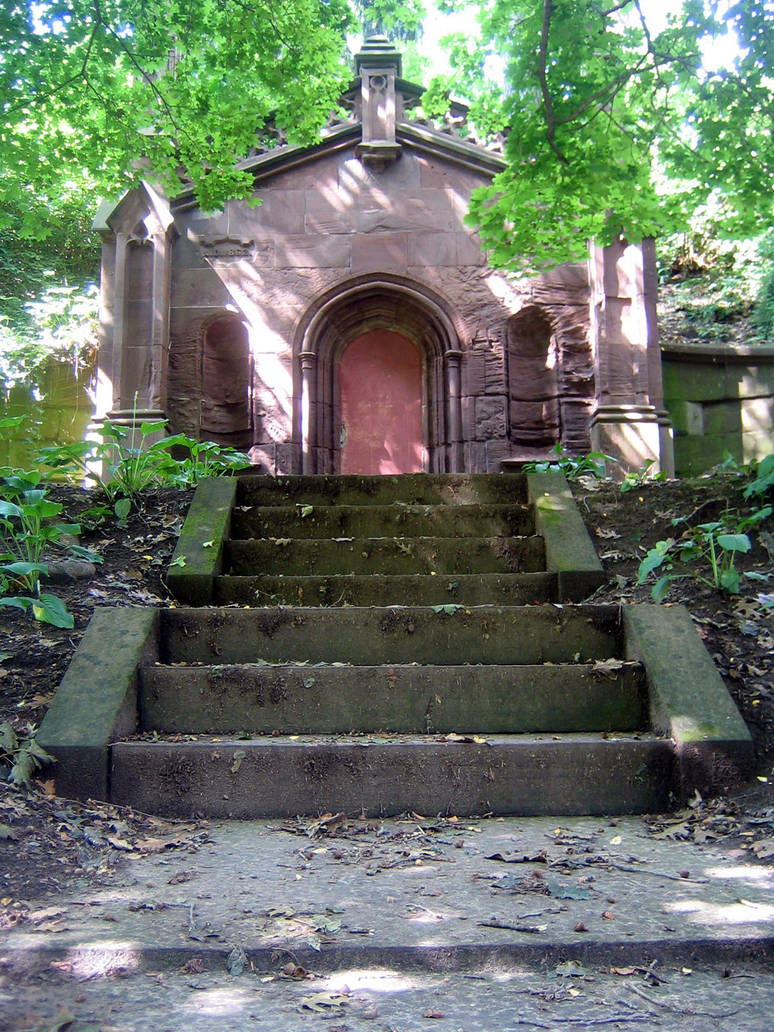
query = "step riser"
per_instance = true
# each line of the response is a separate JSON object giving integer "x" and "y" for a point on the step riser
{"x": 319, "y": 700}
{"x": 391, "y": 556}
{"x": 392, "y": 635}
{"x": 425, "y": 489}
{"x": 573, "y": 776}
{"x": 383, "y": 521}
{"x": 507, "y": 589}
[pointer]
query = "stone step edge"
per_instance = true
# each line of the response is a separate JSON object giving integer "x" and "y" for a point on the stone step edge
{"x": 375, "y": 635}
{"x": 374, "y": 556}
{"x": 470, "y": 958}
{"x": 525, "y": 775}
{"x": 328, "y": 488}
{"x": 303, "y": 698}
{"x": 382, "y": 590}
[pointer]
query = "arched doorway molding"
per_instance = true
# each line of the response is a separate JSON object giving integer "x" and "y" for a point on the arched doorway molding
{"x": 355, "y": 308}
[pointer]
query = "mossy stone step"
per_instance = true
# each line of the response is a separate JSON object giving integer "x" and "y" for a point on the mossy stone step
{"x": 510, "y": 589}
{"x": 409, "y": 488}
{"x": 381, "y": 776}
{"x": 385, "y": 555}
{"x": 442, "y": 635}
{"x": 399, "y": 518}
{"x": 325, "y": 699}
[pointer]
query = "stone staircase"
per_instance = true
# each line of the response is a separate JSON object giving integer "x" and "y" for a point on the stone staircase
{"x": 373, "y": 644}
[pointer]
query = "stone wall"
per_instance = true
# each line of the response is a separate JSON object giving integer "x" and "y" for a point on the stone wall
{"x": 327, "y": 228}
{"x": 721, "y": 401}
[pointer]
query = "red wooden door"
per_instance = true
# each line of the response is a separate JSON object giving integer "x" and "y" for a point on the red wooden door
{"x": 380, "y": 405}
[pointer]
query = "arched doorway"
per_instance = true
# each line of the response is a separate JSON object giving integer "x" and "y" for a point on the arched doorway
{"x": 390, "y": 313}
{"x": 380, "y": 405}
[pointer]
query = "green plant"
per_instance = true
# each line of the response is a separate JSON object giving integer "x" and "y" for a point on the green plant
{"x": 20, "y": 757}
{"x": 131, "y": 461}
{"x": 706, "y": 553}
{"x": 572, "y": 466}
{"x": 764, "y": 479}
{"x": 638, "y": 477}
{"x": 28, "y": 528}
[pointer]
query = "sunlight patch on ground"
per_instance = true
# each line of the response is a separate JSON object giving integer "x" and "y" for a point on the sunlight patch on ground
{"x": 760, "y": 877}
{"x": 737, "y": 912}
{"x": 230, "y": 999}
{"x": 378, "y": 980}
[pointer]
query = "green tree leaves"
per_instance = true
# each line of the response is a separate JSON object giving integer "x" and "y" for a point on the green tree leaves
{"x": 615, "y": 128}
{"x": 98, "y": 93}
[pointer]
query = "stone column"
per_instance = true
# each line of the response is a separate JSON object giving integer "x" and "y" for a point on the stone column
{"x": 308, "y": 385}
{"x": 626, "y": 422}
{"x": 137, "y": 232}
{"x": 454, "y": 410}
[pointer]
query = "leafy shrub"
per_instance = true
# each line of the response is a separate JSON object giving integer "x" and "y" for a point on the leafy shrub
{"x": 28, "y": 528}
{"x": 572, "y": 466}
{"x": 706, "y": 553}
{"x": 20, "y": 758}
{"x": 131, "y": 461}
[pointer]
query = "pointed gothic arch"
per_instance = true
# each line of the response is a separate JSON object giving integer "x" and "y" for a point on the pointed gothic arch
{"x": 361, "y": 307}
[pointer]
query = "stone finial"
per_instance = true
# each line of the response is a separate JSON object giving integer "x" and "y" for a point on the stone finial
{"x": 379, "y": 65}
{"x": 380, "y": 53}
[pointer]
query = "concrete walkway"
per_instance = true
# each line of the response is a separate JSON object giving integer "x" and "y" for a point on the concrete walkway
{"x": 582, "y": 922}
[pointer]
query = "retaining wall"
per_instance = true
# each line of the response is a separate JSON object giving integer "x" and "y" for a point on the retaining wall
{"x": 721, "y": 400}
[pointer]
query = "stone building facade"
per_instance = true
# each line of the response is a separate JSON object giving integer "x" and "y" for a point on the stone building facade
{"x": 350, "y": 322}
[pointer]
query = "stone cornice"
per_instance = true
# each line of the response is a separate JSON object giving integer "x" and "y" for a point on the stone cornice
{"x": 467, "y": 154}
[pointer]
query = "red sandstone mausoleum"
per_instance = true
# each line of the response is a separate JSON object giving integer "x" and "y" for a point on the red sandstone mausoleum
{"x": 351, "y": 323}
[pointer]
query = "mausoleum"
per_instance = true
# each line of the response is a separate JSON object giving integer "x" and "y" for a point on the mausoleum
{"x": 350, "y": 322}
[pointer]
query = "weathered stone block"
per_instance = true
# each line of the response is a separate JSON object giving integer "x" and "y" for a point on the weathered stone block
{"x": 474, "y": 373}
{"x": 139, "y": 272}
{"x": 469, "y": 251}
{"x": 432, "y": 249}
{"x": 321, "y": 172}
{"x": 534, "y": 415}
{"x": 312, "y": 252}
{"x": 199, "y": 288}
{"x": 356, "y": 178}
{"x": 757, "y": 415}
{"x": 386, "y": 252}
{"x": 722, "y": 417}
{"x": 475, "y": 457}
{"x": 491, "y": 419}
{"x": 280, "y": 211}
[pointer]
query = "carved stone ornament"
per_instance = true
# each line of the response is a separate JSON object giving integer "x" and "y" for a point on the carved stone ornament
{"x": 223, "y": 248}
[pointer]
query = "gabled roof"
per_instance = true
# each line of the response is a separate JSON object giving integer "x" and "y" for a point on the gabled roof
{"x": 449, "y": 138}
{"x": 135, "y": 204}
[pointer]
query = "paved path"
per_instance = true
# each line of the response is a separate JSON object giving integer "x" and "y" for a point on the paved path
{"x": 406, "y": 925}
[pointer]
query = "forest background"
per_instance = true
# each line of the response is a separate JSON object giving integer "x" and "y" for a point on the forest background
{"x": 619, "y": 118}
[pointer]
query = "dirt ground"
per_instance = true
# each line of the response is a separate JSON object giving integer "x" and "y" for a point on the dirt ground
{"x": 47, "y": 842}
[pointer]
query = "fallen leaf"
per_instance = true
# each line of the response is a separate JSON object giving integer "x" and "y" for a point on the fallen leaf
{"x": 320, "y": 1003}
{"x": 236, "y": 961}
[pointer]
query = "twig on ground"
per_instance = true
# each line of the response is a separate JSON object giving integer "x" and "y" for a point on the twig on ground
{"x": 687, "y": 1011}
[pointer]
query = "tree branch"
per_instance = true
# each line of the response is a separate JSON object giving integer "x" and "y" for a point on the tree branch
{"x": 548, "y": 6}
